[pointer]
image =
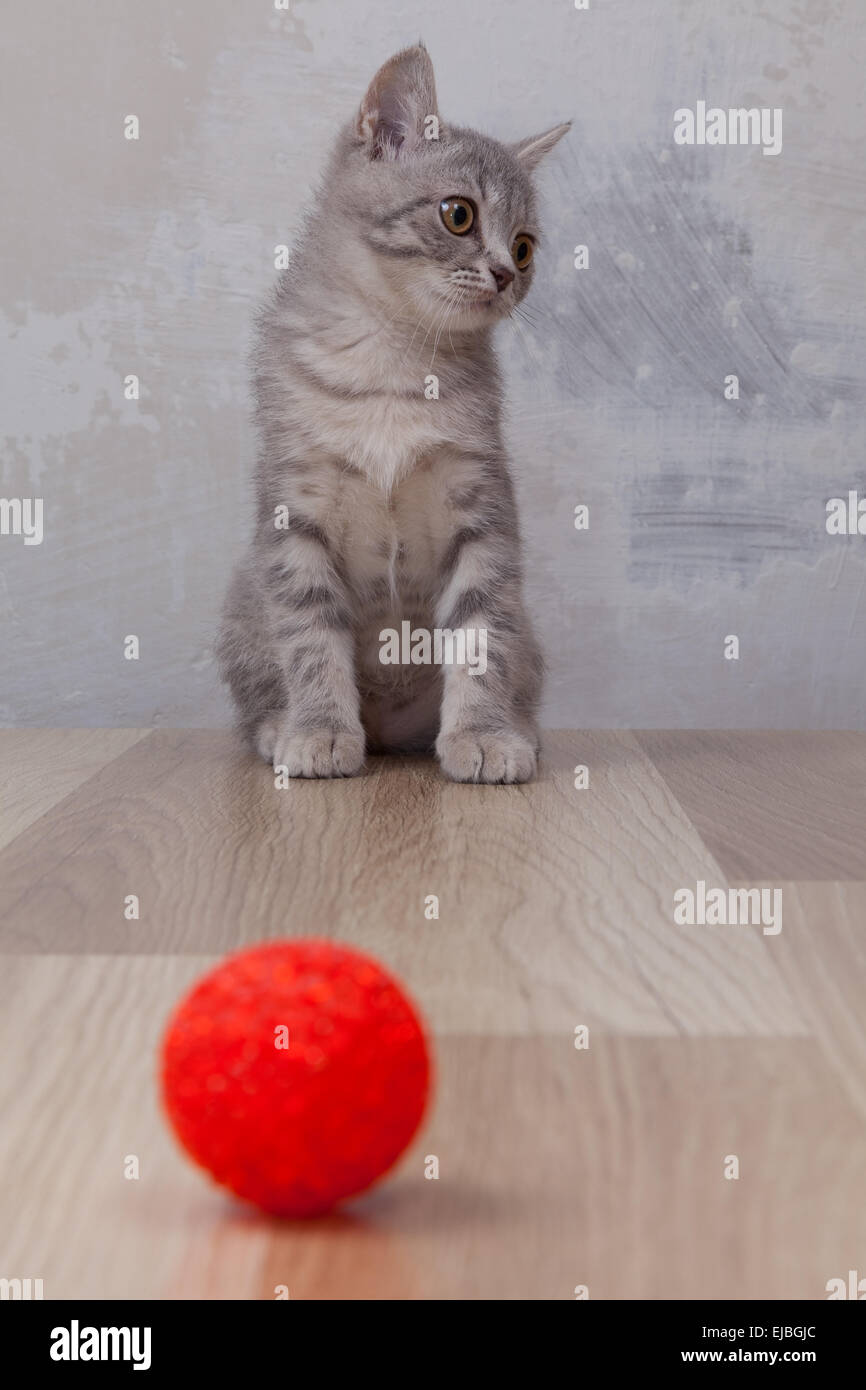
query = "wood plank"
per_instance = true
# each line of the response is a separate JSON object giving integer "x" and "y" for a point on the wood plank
{"x": 823, "y": 962}
{"x": 558, "y": 1167}
{"x": 555, "y": 905}
{"x": 771, "y": 804}
{"x": 39, "y": 767}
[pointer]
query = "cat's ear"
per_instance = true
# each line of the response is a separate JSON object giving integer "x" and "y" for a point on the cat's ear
{"x": 398, "y": 105}
{"x": 532, "y": 150}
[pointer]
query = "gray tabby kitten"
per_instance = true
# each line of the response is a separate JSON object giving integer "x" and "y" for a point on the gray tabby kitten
{"x": 377, "y": 505}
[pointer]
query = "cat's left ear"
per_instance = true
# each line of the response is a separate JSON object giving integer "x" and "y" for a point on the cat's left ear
{"x": 398, "y": 105}
{"x": 532, "y": 150}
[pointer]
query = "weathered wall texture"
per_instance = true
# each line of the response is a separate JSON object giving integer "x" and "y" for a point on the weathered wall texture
{"x": 707, "y": 516}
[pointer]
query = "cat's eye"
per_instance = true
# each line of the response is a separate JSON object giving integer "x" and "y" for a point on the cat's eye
{"x": 458, "y": 214}
{"x": 521, "y": 251}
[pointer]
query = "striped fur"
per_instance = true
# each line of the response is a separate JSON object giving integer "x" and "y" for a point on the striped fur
{"x": 398, "y": 507}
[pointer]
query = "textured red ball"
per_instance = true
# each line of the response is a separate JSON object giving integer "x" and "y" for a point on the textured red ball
{"x": 296, "y": 1073}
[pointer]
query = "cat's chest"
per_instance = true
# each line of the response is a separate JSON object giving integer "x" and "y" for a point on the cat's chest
{"x": 382, "y": 435}
{"x": 395, "y": 542}
{"x": 382, "y": 412}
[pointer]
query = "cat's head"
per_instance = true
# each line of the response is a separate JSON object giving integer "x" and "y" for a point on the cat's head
{"x": 443, "y": 218}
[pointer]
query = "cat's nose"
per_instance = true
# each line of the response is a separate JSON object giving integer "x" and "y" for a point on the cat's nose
{"x": 503, "y": 277}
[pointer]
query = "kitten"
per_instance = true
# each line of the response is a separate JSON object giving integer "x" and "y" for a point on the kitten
{"x": 380, "y": 502}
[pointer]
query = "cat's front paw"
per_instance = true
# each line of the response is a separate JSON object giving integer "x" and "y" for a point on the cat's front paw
{"x": 496, "y": 757}
{"x": 312, "y": 752}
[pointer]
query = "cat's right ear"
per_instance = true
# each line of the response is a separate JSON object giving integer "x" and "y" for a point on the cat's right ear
{"x": 531, "y": 151}
{"x": 400, "y": 105}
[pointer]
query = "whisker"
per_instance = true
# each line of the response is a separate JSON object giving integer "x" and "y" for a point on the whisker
{"x": 526, "y": 315}
{"x": 439, "y": 321}
{"x": 448, "y": 314}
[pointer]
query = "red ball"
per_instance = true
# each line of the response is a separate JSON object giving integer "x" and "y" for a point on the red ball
{"x": 298, "y": 1128}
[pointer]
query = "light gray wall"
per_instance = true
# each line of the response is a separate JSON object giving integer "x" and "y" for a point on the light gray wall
{"x": 707, "y": 516}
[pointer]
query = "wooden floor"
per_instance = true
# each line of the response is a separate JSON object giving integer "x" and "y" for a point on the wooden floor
{"x": 559, "y": 1167}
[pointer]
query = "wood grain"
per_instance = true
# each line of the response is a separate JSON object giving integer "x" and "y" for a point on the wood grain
{"x": 558, "y": 1167}
{"x": 555, "y": 905}
{"x": 39, "y": 767}
{"x": 767, "y": 804}
{"x": 823, "y": 963}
